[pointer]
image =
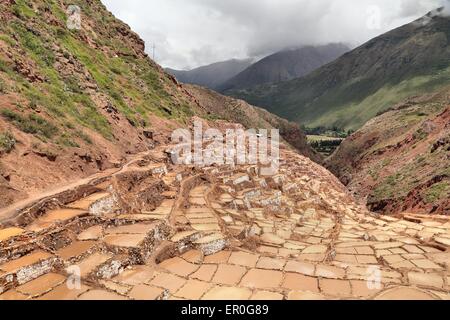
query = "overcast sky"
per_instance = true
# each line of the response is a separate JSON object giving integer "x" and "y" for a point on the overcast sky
{"x": 191, "y": 33}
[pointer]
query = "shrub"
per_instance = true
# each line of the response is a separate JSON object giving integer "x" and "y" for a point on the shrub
{"x": 72, "y": 85}
{"x": 4, "y": 66}
{"x": 67, "y": 141}
{"x": 7, "y": 142}
{"x": 437, "y": 192}
{"x": 3, "y": 86}
{"x": 84, "y": 137}
{"x": 420, "y": 135}
{"x": 33, "y": 103}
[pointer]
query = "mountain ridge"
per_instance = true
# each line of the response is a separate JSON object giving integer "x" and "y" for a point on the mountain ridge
{"x": 285, "y": 65}
{"x": 213, "y": 75}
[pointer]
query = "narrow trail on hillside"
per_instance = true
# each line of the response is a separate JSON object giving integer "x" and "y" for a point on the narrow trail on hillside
{"x": 222, "y": 232}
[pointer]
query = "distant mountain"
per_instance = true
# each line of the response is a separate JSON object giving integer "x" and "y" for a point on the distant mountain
{"x": 213, "y": 75}
{"x": 286, "y": 65}
{"x": 346, "y": 93}
{"x": 399, "y": 161}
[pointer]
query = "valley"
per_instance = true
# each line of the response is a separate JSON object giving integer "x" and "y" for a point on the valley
{"x": 374, "y": 117}
{"x": 325, "y": 145}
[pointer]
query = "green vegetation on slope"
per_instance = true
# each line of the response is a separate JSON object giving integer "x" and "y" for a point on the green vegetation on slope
{"x": 69, "y": 76}
{"x": 437, "y": 192}
{"x": 400, "y": 158}
{"x": 32, "y": 123}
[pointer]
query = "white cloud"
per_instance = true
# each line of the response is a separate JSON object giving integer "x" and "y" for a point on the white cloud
{"x": 446, "y": 5}
{"x": 190, "y": 33}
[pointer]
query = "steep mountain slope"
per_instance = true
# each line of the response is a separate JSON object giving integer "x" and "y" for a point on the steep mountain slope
{"x": 407, "y": 61}
{"x": 400, "y": 161}
{"x": 150, "y": 228}
{"x": 211, "y": 76}
{"x": 285, "y": 65}
{"x": 75, "y": 102}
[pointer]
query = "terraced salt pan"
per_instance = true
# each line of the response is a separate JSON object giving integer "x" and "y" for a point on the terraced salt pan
{"x": 308, "y": 242}
{"x": 8, "y": 233}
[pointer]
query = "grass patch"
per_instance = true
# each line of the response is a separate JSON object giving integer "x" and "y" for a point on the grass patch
{"x": 4, "y": 66}
{"x": 22, "y": 10}
{"x": 84, "y": 137}
{"x": 386, "y": 190}
{"x": 386, "y": 162}
{"x": 437, "y": 192}
{"x": 420, "y": 135}
{"x": 7, "y": 39}
{"x": 67, "y": 141}
{"x": 374, "y": 174}
{"x": 32, "y": 124}
{"x": 34, "y": 45}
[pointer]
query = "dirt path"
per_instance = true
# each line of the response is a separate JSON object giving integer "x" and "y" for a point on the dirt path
{"x": 230, "y": 234}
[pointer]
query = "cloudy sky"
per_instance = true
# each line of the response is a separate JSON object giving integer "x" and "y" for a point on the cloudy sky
{"x": 191, "y": 33}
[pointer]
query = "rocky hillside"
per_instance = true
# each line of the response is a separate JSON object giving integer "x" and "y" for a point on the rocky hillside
{"x": 346, "y": 93}
{"x": 212, "y": 76}
{"x": 285, "y": 65}
{"x": 400, "y": 161}
{"x": 75, "y": 102}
